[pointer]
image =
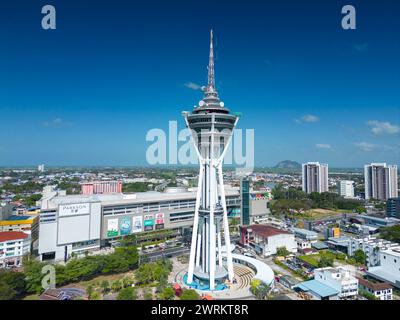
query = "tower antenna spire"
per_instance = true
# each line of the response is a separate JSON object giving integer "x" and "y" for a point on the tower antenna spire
{"x": 211, "y": 72}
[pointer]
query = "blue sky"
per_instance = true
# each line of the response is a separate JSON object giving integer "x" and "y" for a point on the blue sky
{"x": 88, "y": 92}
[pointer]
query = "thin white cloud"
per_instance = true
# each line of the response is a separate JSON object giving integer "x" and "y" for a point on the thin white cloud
{"x": 307, "y": 118}
{"x": 365, "y": 146}
{"x": 323, "y": 146}
{"x": 381, "y": 127}
{"x": 192, "y": 85}
{"x": 56, "y": 123}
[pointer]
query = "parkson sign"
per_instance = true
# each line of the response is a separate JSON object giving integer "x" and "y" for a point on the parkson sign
{"x": 73, "y": 209}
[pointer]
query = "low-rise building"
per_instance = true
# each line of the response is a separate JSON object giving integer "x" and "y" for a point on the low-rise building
{"x": 303, "y": 244}
{"x": 317, "y": 290}
{"x": 339, "y": 244}
{"x": 288, "y": 281}
{"x": 389, "y": 268}
{"x": 266, "y": 239}
{"x": 340, "y": 279}
{"x": 381, "y": 290}
{"x": 13, "y": 245}
{"x": 370, "y": 246}
{"x": 305, "y": 234}
{"x": 379, "y": 222}
{"x": 28, "y": 224}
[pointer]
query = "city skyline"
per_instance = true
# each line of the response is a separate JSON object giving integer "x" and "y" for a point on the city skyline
{"x": 84, "y": 94}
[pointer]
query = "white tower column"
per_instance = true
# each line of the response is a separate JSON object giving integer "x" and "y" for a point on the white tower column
{"x": 195, "y": 226}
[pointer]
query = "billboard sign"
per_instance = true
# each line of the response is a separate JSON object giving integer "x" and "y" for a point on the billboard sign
{"x": 148, "y": 222}
{"x": 112, "y": 228}
{"x": 73, "y": 209}
{"x": 137, "y": 224}
{"x": 125, "y": 226}
{"x": 159, "y": 219}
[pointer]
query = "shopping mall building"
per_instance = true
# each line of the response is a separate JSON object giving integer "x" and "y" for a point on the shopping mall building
{"x": 78, "y": 223}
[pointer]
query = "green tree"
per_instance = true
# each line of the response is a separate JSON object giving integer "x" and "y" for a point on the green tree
{"x": 128, "y": 293}
{"x": 390, "y": 233}
{"x": 359, "y": 256}
{"x": 105, "y": 286}
{"x": 278, "y": 192}
{"x": 325, "y": 261}
{"x": 167, "y": 294}
{"x": 33, "y": 273}
{"x": 6, "y": 292}
{"x": 190, "y": 294}
{"x": 13, "y": 284}
{"x": 116, "y": 286}
{"x": 148, "y": 294}
{"x": 254, "y": 285}
{"x": 95, "y": 296}
{"x": 282, "y": 251}
{"x": 127, "y": 281}
{"x": 89, "y": 290}
{"x": 367, "y": 295}
{"x": 262, "y": 291}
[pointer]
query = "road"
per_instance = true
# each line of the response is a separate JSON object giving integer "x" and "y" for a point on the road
{"x": 167, "y": 253}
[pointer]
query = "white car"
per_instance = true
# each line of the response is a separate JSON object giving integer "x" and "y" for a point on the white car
{"x": 249, "y": 254}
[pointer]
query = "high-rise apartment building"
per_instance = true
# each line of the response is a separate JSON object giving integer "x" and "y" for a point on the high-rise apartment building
{"x": 380, "y": 181}
{"x": 346, "y": 188}
{"x": 315, "y": 177}
{"x": 393, "y": 207}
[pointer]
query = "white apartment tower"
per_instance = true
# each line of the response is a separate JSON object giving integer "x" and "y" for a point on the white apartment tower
{"x": 380, "y": 181}
{"x": 315, "y": 177}
{"x": 346, "y": 188}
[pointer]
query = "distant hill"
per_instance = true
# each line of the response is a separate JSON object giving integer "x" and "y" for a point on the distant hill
{"x": 288, "y": 164}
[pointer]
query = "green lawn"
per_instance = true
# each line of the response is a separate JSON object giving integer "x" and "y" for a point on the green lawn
{"x": 97, "y": 280}
{"x": 313, "y": 259}
{"x": 31, "y": 297}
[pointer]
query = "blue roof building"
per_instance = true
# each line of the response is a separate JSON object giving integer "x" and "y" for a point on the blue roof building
{"x": 317, "y": 289}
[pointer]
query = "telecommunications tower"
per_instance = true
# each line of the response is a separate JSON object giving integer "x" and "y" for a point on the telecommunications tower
{"x": 211, "y": 126}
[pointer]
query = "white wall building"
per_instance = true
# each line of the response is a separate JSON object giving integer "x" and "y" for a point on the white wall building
{"x": 78, "y": 223}
{"x": 371, "y": 246}
{"x": 380, "y": 181}
{"x": 389, "y": 269}
{"x": 346, "y": 188}
{"x": 339, "y": 279}
{"x": 303, "y": 244}
{"x": 266, "y": 239}
{"x": 382, "y": 291}
{"x": 315, "y": 177}
{"x": 13, "y": 245}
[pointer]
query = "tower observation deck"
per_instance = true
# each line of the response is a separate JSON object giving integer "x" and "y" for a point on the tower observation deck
{"x": 211, "y": 125}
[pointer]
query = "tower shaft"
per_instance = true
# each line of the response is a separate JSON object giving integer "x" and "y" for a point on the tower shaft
{"x": 211, "y": 128}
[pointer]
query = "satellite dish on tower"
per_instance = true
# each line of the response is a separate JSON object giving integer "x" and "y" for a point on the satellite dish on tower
{"x": 201, "y": 103}
{"x": 221, "y": 104}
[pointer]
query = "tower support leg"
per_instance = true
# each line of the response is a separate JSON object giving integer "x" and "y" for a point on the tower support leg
{"x": 226, "y": 225}
{"x": 195, "y": 226}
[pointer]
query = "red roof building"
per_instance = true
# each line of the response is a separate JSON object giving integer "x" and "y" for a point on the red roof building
{"x": 266, "y": 239}
{"x": 12, "y": 235}
{"x": 13, "y": 245}
{"x": 381, "y": 290}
